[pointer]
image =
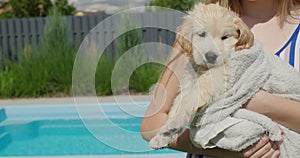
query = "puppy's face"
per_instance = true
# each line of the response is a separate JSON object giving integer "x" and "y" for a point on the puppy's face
{"x": 213, "y": 41}
{"x": 210, "y": 34}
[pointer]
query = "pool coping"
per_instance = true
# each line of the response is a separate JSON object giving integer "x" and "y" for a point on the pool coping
{"x": 70, "y": 107}
{"x": 71, "y": 100}
{"x": 175, "y": 155}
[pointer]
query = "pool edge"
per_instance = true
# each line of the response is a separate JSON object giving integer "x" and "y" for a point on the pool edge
{"x": 71, "y": 100}
{"x": 175, "y": 155}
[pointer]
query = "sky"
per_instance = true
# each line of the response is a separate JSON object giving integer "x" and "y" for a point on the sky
{"x": 109, "y": 6}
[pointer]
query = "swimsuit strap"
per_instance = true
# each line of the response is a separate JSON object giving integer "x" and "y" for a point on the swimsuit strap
{"x": 292, "y": 41}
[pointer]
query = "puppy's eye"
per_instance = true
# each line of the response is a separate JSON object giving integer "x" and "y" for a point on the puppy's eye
{"x": 225, "y": 37}
{"x": 203, "y": 34}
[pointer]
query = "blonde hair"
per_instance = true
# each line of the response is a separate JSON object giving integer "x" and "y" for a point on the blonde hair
{"x": 286, "y": 9}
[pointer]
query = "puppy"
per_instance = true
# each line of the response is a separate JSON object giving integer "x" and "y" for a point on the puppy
{"x": 208, "y": 36}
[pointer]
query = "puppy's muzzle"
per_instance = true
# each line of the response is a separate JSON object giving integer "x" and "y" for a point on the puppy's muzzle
{"x": 211, "y": 57}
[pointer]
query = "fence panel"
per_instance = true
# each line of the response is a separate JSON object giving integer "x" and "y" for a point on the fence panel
{"x": 17, "y": 35}
{"x": 4, "y": 39}
{"x": 25, "y": 34}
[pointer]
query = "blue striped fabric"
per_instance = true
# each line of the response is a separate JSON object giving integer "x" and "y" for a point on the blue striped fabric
{"x": 292, "y": 42}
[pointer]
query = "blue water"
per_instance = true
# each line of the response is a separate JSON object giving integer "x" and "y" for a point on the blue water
{"x": 49, "y": 137}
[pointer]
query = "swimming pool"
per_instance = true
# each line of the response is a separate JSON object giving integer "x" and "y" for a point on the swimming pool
{"x": 64, "y": 130}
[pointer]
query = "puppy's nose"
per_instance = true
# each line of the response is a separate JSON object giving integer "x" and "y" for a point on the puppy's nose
{"x": 211, "y": 57}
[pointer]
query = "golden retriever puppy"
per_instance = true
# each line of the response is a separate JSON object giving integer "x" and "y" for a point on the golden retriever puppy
{"x": 208, "y": 36}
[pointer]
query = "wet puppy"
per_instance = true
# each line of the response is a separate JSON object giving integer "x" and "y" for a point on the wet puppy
{"x": 208, "y": 36}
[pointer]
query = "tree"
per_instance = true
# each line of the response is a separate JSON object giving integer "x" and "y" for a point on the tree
{"x": 33, "y": 8}
{"x": 64, "y": 8}
{"x": 174, "y": 4}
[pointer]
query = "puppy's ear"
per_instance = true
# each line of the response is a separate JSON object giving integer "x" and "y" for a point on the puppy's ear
{"x": 245, "y": 38}
{"x": 183, "y": 39}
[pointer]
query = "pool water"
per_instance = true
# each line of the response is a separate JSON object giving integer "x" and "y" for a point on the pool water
{"x": 44, "y": 131}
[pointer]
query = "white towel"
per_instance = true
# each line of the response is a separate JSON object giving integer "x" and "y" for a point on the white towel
{"x": 225, "y": 124}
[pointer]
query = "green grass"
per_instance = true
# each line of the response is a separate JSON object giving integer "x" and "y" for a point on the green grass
{"x": 144, "y": 77}
{"x": 25, "y": 79}
{"x": 103, "y": 76}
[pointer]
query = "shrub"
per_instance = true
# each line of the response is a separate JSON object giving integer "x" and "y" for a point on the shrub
{"x": 46, "y": 70}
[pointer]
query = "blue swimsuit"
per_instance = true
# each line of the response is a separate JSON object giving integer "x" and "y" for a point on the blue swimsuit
{"x": 290, "y": 52}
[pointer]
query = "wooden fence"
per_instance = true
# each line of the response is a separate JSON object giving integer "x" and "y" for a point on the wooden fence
{"x": 17, "y": 34}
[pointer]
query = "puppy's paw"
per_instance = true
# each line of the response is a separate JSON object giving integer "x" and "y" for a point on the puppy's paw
{"x": 160, "y": 142}
{"x": 163, "y": 139}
